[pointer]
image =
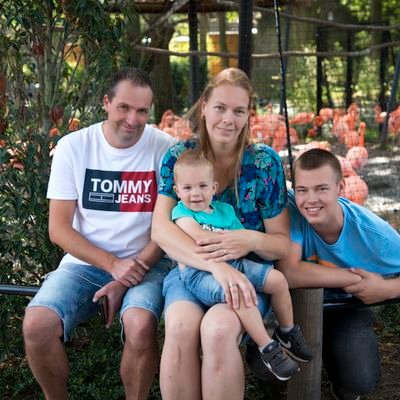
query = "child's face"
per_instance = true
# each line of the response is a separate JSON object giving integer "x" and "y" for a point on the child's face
{"x": 195, "y": 187}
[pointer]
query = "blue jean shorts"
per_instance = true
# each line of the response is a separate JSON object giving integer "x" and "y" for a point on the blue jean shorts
{"x": 204, "y": 286}
{"x": 69, "y": 291}
{"x": 174, "y": 290}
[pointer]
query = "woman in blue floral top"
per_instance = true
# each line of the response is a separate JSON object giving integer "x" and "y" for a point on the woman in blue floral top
{"x": 250, "y": 177}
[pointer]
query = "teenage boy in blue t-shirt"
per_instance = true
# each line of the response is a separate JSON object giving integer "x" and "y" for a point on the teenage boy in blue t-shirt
{"x": 339, "y": 244}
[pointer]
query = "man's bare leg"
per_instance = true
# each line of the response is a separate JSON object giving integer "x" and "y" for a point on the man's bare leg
{"x": 140, "y": 356}
{"x": 42, "y": 329}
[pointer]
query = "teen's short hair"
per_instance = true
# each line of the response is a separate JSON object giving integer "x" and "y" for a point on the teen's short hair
{"x": 133, "y": 75}
{"x": 317, "y": 158}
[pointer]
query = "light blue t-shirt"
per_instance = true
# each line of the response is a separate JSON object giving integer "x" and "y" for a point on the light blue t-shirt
{"x": 366, "y": 240}
{"x": 222, "y": 217}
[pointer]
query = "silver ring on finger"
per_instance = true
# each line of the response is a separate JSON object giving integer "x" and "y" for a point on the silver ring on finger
{"x": 133, "y": 280}
{"x": 231, "y": 284}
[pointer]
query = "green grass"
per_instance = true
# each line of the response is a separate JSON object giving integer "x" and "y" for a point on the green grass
{"x": 95, "y": 354}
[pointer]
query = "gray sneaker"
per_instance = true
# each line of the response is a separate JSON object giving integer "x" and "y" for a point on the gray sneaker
{"x": 278, "y": 362}
{"x": 256, "y": 364}
{"x": 293, "y": 343}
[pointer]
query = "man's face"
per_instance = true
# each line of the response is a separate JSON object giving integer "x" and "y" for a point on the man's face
{"x": 128, "y": 113}
{"x": 316, "y": 193}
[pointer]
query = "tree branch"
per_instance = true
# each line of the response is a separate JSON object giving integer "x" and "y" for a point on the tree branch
{"x": 317, "y": 21}
{"x": 292, "y": 53}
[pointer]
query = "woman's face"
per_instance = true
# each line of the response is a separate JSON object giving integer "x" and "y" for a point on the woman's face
{"x": 226, "y": 111}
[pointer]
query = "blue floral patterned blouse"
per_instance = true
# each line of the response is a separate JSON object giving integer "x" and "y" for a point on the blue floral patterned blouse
{"x": 262, "y": 184}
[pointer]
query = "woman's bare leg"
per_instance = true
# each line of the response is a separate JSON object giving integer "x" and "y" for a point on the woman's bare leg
{"x": 222, "y": 369}
{"x": 180, "y": 359}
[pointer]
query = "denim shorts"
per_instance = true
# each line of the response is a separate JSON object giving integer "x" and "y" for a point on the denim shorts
{"x": 204, "y": 286}
{"x": 69, "y": 291}
{"x": 175, "y": 290}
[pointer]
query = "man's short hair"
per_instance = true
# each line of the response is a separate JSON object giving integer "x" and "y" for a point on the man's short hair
{"x": 317, "y": 158}
{"x": 135, "y": 76}
{"x": 192, "y": 158}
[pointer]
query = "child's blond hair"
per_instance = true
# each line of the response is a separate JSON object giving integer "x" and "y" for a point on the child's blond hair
{"x": 192, "y": 158}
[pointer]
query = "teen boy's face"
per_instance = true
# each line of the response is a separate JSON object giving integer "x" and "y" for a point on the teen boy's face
{"x": 195, "y": 187}
{"x": 316, "y": 193}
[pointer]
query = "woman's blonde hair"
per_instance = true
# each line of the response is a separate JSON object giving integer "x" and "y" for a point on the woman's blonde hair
{"x": 232, "y": 77}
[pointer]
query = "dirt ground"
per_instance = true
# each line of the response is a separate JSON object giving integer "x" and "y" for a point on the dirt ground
{"x": 389, "y": 385}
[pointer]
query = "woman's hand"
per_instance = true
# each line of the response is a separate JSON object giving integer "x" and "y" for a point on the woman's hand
{"x": 225, "y": 246}
{"x": 232, "y": 281}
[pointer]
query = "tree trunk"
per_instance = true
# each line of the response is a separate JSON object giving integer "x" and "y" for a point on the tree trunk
{"x": 160, "y": 67}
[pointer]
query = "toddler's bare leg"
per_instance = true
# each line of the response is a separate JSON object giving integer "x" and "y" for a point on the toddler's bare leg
{"x": 277, "y": 286}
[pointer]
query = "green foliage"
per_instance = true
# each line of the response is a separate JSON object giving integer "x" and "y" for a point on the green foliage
{"x": 54, "y": 53}
{"x": 26, "y": 253}
{"x": 94, "y": 354}
{"x": 180, "y": 73}
{"x": 302, "y": 89}
{"x": 56, "y": 58}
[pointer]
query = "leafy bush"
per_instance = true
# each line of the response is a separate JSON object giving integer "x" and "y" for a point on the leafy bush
{"x": 56, "y": 59}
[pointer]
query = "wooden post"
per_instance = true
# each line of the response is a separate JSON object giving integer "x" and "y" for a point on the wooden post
{"x": 349, "y": 70}
{"x": 318, "y": 39}
{"x": 308, "y": 313}
{"x": 245, "y": 35}
{"x": 194, "y": 70}
{"x": 392, "y": 100}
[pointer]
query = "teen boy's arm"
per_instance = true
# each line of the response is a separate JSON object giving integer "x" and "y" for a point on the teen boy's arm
{"x": 303, "y": 274}
{"x": 373, "y": 288}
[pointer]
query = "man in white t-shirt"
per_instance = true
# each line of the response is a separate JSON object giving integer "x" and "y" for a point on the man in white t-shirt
{"x": 102, "y": 191}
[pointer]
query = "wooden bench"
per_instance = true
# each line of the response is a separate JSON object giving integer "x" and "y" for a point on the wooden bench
{"x": 308, "y": 307}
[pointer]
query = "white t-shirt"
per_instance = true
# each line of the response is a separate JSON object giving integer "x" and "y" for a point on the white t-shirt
{"x": 115, "y": 189}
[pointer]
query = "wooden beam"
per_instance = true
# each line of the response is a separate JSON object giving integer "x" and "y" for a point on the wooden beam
{"x": 307, "y": 310}
{"x": 245, "y": 35}
{"x": 194, "y": 58}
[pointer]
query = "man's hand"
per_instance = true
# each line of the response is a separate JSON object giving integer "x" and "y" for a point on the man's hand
{"x": 129, "y": 271}
{"x": 371, "y": 289}
{"x": 114, "y": 291}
